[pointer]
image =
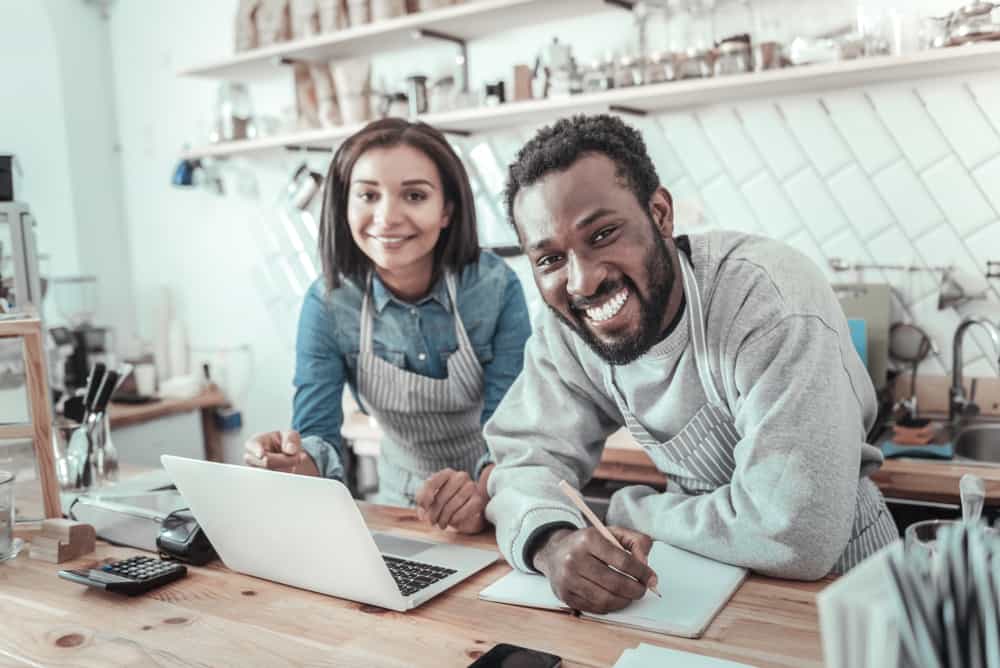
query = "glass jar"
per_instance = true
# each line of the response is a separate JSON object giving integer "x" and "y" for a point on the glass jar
{"x": 629, "y": 72}
{"x": 595, "y": 79}
{"x": 733, "y": 56}
{"x": 233, "y": 113}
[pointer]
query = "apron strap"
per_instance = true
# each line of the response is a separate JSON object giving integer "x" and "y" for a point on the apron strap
{"x": 365, "y": 341}
{"x": 460, "y": 333}
{"x": 698, "y": 335}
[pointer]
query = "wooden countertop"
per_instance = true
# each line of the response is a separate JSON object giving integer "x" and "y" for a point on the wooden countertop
{"x": 917, "y": 479}
{"x": 217, "y": 617}
{"x": 123, "y": 415}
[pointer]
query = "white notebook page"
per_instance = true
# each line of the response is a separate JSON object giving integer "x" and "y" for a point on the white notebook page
{"x": 694, "y": 589}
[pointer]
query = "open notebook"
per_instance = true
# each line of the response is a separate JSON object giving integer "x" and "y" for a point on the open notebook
{"x": 694, "y": 589}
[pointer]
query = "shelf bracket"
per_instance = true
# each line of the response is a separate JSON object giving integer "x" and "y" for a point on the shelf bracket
{"x": 286, "y": 60}
{"x": 621, "y": 4}
{"x": 622, "y": 109}
{"x": 457, "y": 133}
{"x": 463, "y": 58}
{"x": 308, "y": 149}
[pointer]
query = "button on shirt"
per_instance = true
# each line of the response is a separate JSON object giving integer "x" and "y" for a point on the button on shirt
{"x": 418, "y": 337}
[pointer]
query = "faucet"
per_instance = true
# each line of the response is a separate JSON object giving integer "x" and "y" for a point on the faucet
{"x": 958, "y": 405}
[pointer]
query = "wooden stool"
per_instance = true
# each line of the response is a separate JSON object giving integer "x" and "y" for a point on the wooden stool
{"x": 40, "y": 429}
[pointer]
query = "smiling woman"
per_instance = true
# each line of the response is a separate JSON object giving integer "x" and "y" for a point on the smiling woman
{"x": 427, "y": 331}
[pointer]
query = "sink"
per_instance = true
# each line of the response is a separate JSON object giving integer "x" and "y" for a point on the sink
{"x": 978, "y": 442}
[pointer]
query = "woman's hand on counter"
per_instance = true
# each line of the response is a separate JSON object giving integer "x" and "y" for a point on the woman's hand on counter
{"x": 279, "y": 451}
{"x": 452, "y": 498}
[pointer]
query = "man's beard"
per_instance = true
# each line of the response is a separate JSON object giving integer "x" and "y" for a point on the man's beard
{"x": 660, "y": 270}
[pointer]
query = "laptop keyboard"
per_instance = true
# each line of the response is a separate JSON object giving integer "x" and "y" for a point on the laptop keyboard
{"x": 412, "y": 576}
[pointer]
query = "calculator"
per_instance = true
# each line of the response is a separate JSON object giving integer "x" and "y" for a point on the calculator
{"x": 131, "y": 577}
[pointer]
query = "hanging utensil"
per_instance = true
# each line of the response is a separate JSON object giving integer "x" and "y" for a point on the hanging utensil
{"x": 908, "y": 344}
{"x": 80, "y": 446}
{"x": 100, "y": 428}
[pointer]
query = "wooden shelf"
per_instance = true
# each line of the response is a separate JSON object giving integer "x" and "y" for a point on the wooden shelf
{"x": 468, "y": 21}
{"x": 661, "y": 97}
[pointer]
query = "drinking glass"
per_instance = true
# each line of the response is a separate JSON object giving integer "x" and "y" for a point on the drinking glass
{"x": 922, "y": 536}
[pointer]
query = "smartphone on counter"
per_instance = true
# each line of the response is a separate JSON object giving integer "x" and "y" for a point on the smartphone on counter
{"x": 504, "y": 655}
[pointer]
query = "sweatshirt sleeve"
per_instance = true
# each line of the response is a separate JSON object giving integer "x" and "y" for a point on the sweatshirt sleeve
{"x": 550, "y": 426}
{"x": 789, "y": 507}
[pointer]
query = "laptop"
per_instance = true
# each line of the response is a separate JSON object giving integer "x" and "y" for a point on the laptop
{"x": 308, "y": 532}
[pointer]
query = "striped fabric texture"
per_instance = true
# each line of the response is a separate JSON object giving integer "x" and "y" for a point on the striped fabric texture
{"x": 429, "y": 423}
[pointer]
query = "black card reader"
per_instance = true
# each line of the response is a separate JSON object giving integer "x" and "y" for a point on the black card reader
{"x": 182, "y": 539}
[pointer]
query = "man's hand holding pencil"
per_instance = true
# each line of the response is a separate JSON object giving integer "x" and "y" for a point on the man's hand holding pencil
{"x": 599, "y": 569}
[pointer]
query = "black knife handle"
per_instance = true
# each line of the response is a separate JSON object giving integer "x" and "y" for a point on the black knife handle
{"x": 107, "y": 387}
{"x": 93, "y": 385}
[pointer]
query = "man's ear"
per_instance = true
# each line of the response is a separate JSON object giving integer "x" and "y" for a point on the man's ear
{"x": 661, "y": 208}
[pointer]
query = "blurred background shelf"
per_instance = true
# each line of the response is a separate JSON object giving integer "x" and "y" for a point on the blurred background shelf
{"x": 983, "y": 57}
{"x": 466, "y": 21}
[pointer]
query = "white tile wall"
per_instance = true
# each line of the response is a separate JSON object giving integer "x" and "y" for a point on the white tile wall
{"x": 988, "y": 177}
{"x": 912, "y": 205}
{"x": 863, "y": 130}
{"x": 904, "y": 174}
{"x": 668, "y": 166}
{"x": 728, "y": 208}
{"x": 811, "y": 198}
{"x": 692, "y": 146}
{"x": 958, "y": 195}
{"x": 917, "y": 135}
{"x": 986, "y": 92}
{"x": 731, "y": 143}
{"x": 860, "y": 201}
{"x": 769, "y": 133}
{"x": 962, "y": 121}
{"x": 772, "y": 206}
{"x": 811, "y": 126}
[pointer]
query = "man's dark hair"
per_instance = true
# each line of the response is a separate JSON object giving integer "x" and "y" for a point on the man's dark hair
{"x": 556, "y": 147}
{"x": 458, "y": 244}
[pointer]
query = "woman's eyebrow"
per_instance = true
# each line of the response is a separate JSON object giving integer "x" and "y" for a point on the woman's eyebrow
{"x": 418, "y": 182}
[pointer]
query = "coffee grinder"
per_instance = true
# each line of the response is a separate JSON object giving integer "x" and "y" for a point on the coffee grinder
{"x": 81, "y": 344}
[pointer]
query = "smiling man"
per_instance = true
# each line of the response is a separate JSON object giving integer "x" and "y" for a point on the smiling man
{"x": 726, "y": 356}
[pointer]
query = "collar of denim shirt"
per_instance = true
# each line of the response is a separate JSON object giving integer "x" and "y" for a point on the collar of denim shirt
{"x": 381, "y": 295}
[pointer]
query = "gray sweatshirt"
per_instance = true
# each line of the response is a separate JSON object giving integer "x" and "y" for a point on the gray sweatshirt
{"x": 780, "y": 355}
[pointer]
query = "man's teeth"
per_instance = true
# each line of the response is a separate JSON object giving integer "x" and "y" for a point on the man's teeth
{"x": 608, "y": 309}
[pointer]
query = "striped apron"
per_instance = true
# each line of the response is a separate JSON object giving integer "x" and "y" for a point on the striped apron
{"x": 429, "y": 423}
{"x": 699, "y": 458}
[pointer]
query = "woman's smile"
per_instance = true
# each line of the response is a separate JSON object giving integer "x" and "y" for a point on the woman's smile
{"x": 391, "y": 241}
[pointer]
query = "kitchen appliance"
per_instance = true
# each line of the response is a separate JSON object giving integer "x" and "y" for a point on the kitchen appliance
{"x": 7, "y": 167}
{"x": 870, "y": 302}
{"x": 20, "y": 283}
{"x": 416, "y": 86}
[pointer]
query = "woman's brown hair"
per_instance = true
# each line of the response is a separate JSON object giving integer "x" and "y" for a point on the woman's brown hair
{"x": 458, "y": 244}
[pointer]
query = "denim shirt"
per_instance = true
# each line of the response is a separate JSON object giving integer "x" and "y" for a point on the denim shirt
{"x": 417, "y": 337}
